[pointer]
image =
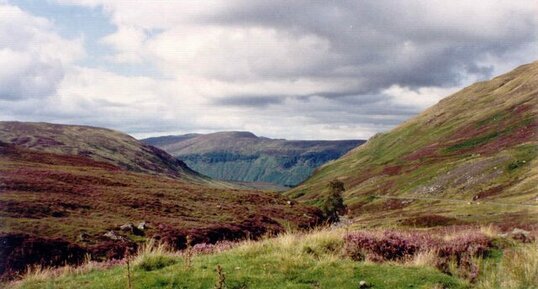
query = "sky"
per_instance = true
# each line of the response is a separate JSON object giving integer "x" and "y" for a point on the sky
{"x": 283, "y": 69}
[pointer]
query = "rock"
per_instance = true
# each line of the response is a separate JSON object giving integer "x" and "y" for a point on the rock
{"x": 83, "y": 237}
{"x": 127, "y": 227}
{"x": 113, "y": 236}
{"x": 364, "y": 284}
{"x": 142, "y": 226}
{"x": 136, "y": 230}
{"x": 521, "y": 235}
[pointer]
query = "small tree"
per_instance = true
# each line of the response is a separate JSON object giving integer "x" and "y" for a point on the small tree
{"x": 333, "y": 205}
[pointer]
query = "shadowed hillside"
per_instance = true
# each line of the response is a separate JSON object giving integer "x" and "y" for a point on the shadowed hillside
{"x": 244, "y": 157}
{"x": 472, "y": 157}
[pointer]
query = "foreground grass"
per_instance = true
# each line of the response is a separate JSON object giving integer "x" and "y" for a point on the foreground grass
{"x": 517, "y": 270}
{"x": 289, "y": 261}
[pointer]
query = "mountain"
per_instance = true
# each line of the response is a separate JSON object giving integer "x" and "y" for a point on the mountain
{"x": 67, "y": 191}
{"x": 470, "y": 158}
{"x": 244, "y": 157}
{"x": 99, "y": 144}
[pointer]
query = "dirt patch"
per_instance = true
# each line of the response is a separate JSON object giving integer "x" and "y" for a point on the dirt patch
{"x": 425, "y": 152}
{"x": 431, "y": 220}
{"x": 396, "y": 204}
{"x": 393, "y": 170}
{"x": 489, "y": 192}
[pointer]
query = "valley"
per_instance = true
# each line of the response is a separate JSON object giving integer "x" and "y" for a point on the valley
{"x": 448, "y": 199}
{"x": 245, "y": 157}
{"x": 56, "y": 190}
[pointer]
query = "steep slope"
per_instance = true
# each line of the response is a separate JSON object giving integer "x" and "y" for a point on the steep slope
{"x": 471, "y": 157}
{"x": 57, "y": 205}
{"x": 242, "y": 156}
{"x": 99, "y": 144}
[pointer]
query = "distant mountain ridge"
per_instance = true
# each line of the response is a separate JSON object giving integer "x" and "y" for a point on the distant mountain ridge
{"x": 244, "y": 157}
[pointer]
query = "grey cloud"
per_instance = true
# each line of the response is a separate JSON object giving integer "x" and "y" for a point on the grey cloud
{"x": 249, "y": 100}
{"x": 388, "y": 42}
{"x": 36, "y": 80}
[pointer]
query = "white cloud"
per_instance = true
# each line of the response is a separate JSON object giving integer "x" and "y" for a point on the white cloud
{"x": 417, "y": 98}
{"x": 32, "y": 55}
{"x": 235, "y": 53}
{"x": 128, "y": 42}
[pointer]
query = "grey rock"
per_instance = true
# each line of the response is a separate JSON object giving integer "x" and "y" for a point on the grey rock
{"x": 522, "y": 235}
{"x": 142, "y": 226}
{"x": 83, "y": 237}
{"x": 127, "y": 227}
{"x": 113, "y": 236}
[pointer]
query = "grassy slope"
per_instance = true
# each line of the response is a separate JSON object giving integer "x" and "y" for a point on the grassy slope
{"x": 289, "y": 261}
{"x": 479, "y": 144}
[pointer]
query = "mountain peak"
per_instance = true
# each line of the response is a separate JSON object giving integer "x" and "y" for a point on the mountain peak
{"x": 234, "y": 134}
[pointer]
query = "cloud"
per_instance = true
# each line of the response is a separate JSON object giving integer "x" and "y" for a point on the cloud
{"x": 250, "y": 100}
{"x": 32, "y": 55}
{"x": 295, "y": 69}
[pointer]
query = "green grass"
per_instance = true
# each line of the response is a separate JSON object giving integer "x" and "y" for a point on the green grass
{"x": 289, "y": 261}
{"x": 472, "y": 142}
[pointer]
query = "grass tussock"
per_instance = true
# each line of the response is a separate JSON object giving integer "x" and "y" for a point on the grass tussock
{"x": 517, "y": 269}
{"x": 154, "y": 256}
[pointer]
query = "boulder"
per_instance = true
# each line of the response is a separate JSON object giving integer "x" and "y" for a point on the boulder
{"x": 113, "y": 236}
{"x": 142, "y": 226}
{"x": 84, "y": 237}
{"x": 127, "y": 227}
{"x": 522, "y": 235}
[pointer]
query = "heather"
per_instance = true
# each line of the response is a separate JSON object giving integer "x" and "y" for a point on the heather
{"x": 460, "y": 250}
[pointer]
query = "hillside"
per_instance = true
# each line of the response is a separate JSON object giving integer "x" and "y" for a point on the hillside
{"x": 470, "y": 158}
{"x": 58, "y": 204}
{"x": 99, "y": 144}
{"x": 244, "y": 157}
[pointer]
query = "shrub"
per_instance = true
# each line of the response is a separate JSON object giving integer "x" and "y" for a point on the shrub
{"x": 459, "y": 251}
{"x": 386, "y": 246}
{"x": 333, "y": 205}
